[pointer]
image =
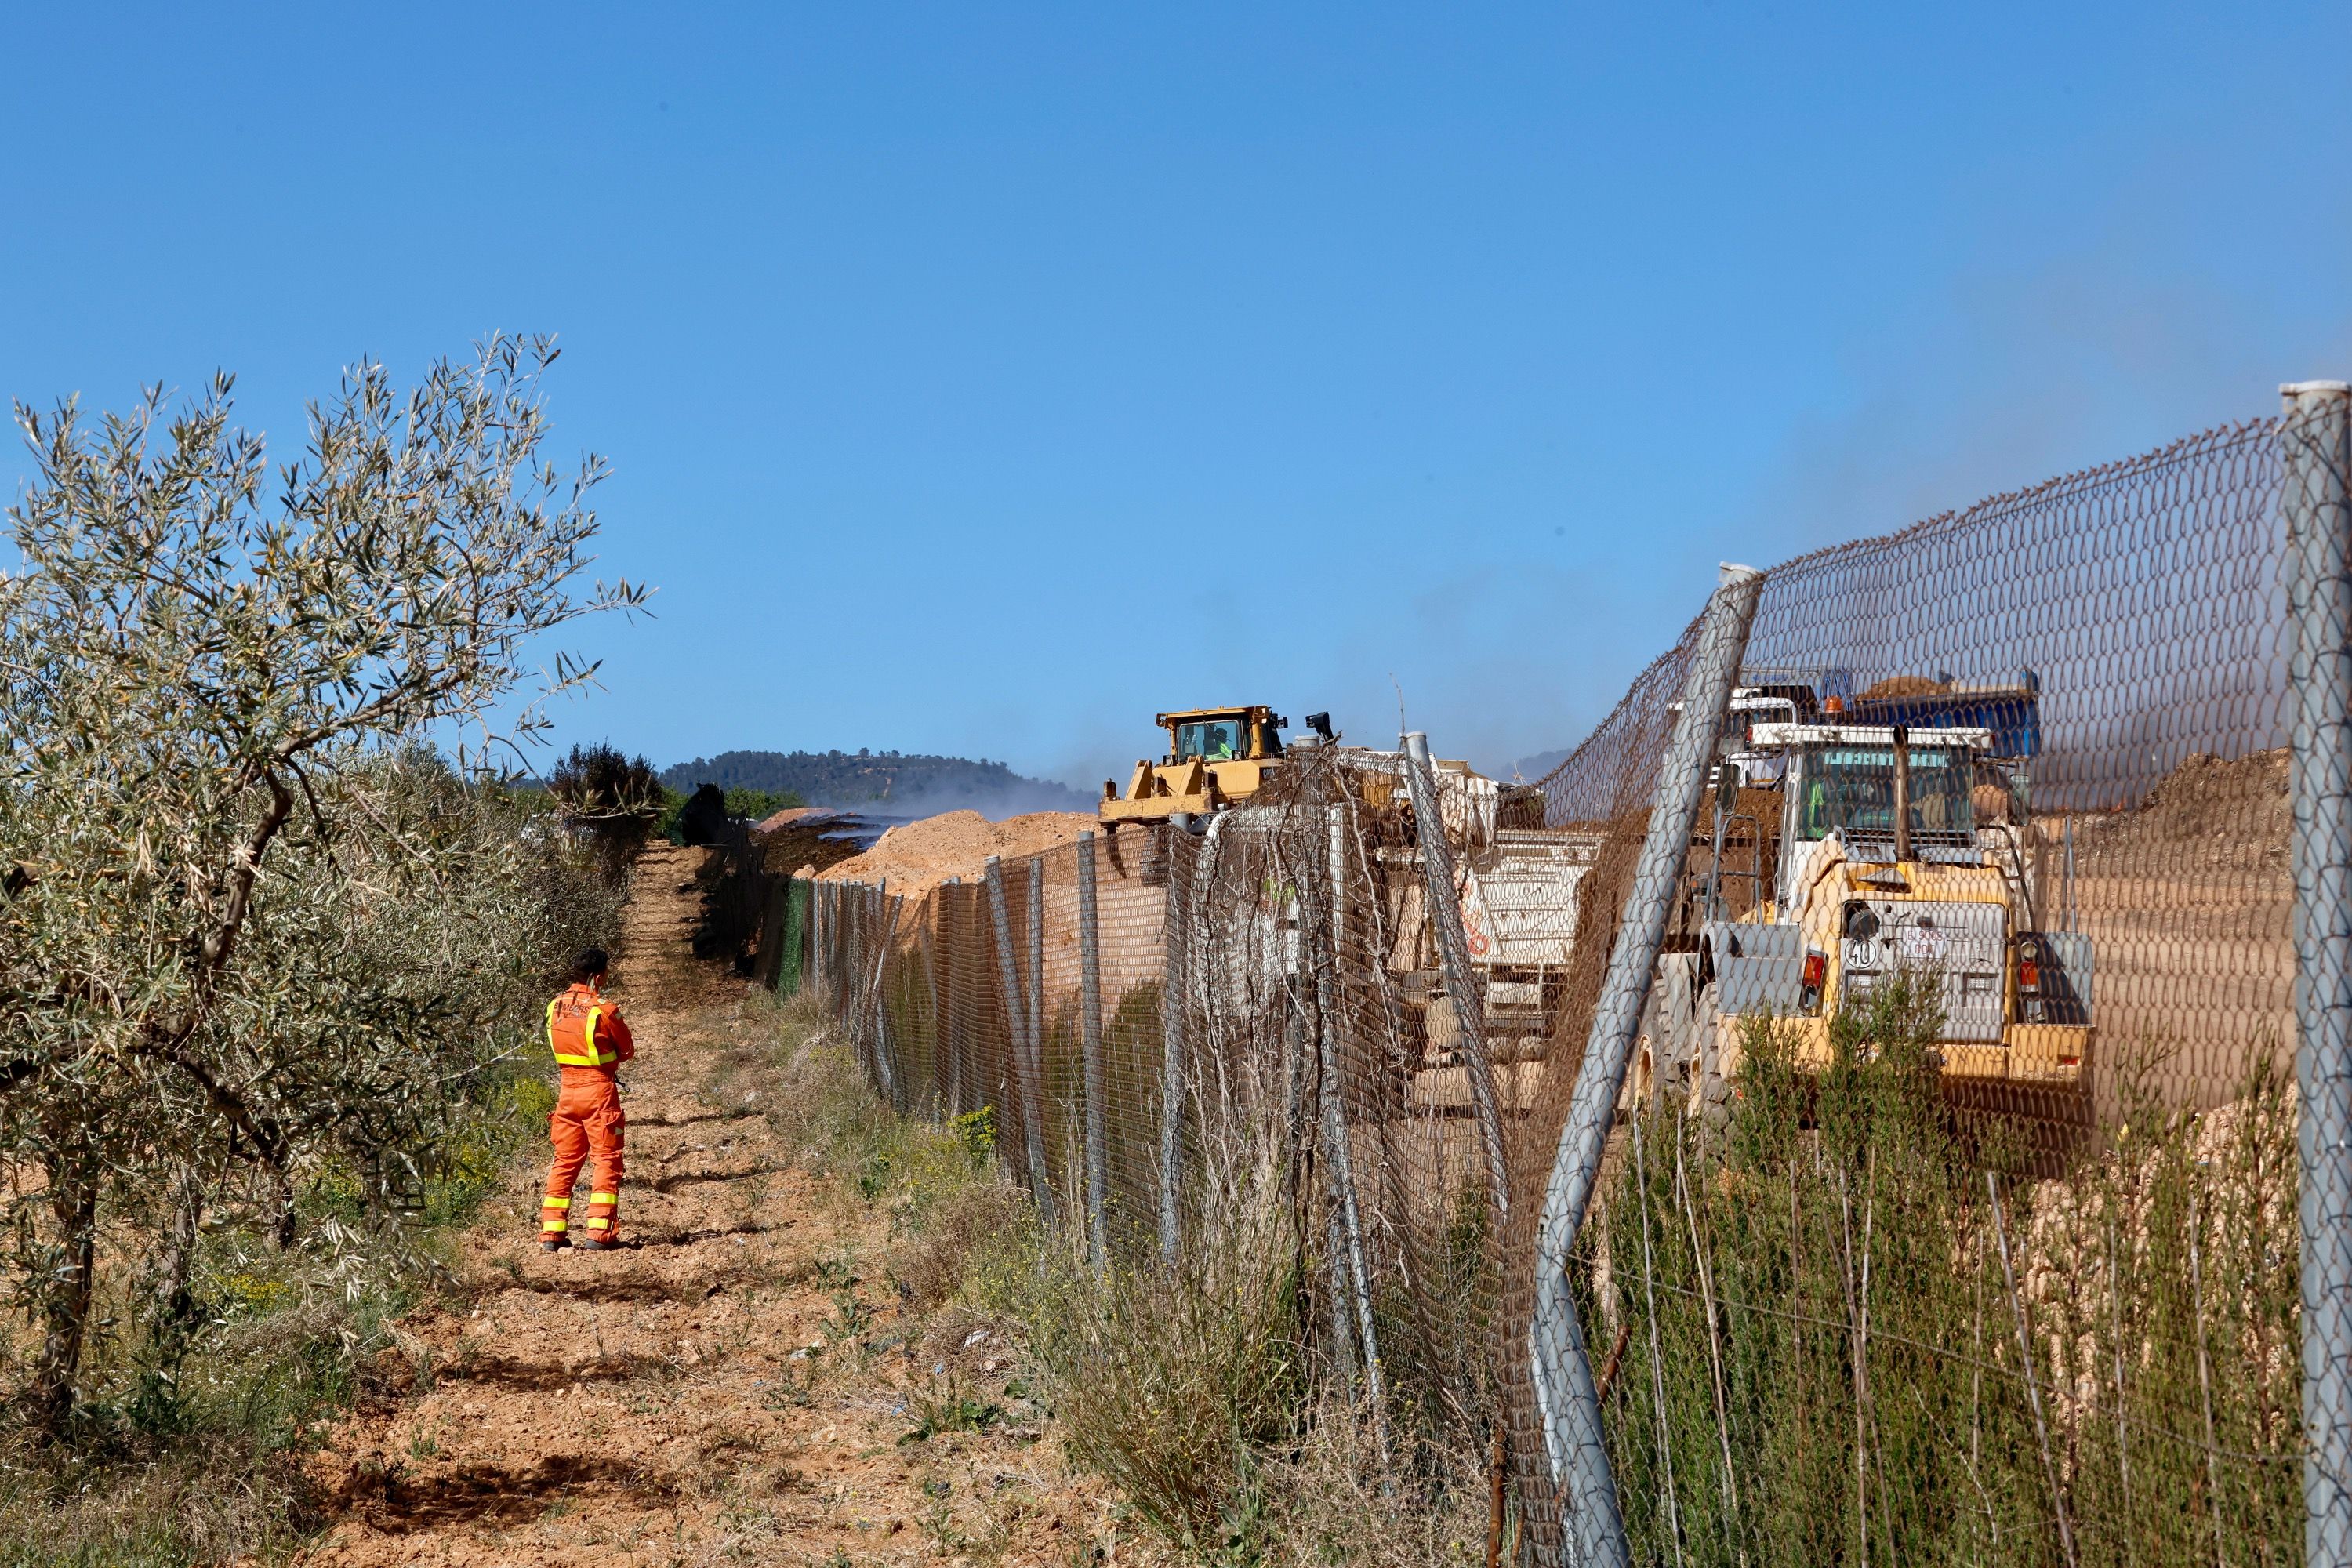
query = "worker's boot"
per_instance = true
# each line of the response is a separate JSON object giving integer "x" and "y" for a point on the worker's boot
{"x": 556, "y": 1244}
{"x": 594, "y": 1243}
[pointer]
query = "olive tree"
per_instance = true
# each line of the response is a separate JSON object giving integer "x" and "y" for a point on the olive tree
{"x": 253, "y": 934}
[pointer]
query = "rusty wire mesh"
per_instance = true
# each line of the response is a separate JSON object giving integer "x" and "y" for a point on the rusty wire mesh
{"x": 1981, "y": 1245}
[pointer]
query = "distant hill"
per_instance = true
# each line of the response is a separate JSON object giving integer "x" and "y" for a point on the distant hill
{"x": 894, "y": 783}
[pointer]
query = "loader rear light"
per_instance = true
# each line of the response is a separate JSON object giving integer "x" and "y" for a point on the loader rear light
{"x": 2028, "y": 975}
{"x": 1817, "y": 969}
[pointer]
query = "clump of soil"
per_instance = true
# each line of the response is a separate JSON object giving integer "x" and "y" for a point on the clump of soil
{"x": 917, "y": 857}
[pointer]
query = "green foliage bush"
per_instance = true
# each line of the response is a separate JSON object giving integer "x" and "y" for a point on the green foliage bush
{"x": 1822, "y": 1359}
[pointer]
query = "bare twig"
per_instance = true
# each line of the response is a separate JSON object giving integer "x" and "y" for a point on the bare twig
{"x": 2032, "y": 1387}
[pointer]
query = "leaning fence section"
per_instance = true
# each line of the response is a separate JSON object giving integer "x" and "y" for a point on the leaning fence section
{"x": 1848, "y": 1110}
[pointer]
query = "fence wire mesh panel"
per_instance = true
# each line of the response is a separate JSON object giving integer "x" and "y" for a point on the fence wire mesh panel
{"x": 1949, "y": 1206}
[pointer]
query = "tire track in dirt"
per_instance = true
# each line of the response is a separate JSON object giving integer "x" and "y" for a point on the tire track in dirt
{"x": 724, "y": 1387}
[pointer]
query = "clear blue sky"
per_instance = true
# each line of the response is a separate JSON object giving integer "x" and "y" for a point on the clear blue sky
{"x": 982, "y": 379}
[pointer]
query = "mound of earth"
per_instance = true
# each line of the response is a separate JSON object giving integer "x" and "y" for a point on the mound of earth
{"x": 796, "y": 838}
{"x": 2244, "y": 797}
{"x": 917, "y": 857}
{"x": 2209, "y": 812}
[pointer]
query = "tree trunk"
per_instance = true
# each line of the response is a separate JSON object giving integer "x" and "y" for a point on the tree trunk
{"x": 173, "y": 1331}
{"x": 73, "y": 1203}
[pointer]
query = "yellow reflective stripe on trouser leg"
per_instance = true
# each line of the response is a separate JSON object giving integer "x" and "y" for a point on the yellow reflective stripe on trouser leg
{"x": 556, "y": 1203}
{"x": 603, "y": 1197}
{"x": 551, "y": 1225}
{"x": 602, "y": 1222}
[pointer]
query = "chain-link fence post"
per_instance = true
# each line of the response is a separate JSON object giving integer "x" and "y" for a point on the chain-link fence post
{"x": 1337, "y": 1150}
{"x": 1443, "y": 903}
{"x": 1032, "y": 1131}
{"x": 1174, "y": 943}
{"x": 813, "y": 976}
{"x": 1091, "y": 1047}
{"x": 1034, "y": 1013}
{"x": 892, "y": 1067}
{"x": 1564, "y": 1392}
{"x": 2315, "y": 431}
{"x": 942, "y": 1095}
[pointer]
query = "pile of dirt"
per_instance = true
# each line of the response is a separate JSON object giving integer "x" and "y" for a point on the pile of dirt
{"x": 917, "y": 857}
{"x": 798, "y": 839}
{"x": 1907, "y": 686}
{"x": 2219, "y": 812}
{"x": 792, "y": 814}
{"x": 2205, "y": 796}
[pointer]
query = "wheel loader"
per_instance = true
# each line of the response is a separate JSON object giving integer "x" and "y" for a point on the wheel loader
{"x": 1874, "y": 849}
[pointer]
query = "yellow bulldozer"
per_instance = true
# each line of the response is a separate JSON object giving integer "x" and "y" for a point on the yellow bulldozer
{"x": 1216, "y": 757}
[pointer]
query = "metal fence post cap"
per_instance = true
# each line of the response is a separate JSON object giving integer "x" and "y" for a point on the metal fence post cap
{"x": 2290, "y": 390}
{"x": 1730, "y": 572}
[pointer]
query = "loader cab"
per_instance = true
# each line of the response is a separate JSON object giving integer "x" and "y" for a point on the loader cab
{"x": 1848, "y": 788}
{"x": 1224, "y": 734}
{"x": 1837, "y": 780}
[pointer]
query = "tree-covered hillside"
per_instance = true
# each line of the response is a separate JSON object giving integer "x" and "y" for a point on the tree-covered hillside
{"x": 891, "y": 782}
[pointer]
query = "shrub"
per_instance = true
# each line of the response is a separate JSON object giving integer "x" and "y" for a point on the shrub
{"x": 612, "y": 799}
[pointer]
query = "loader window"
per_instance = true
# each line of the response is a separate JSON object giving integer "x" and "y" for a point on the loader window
{"x": 1853, "y": 788}
{"x": 1212, "y": 740}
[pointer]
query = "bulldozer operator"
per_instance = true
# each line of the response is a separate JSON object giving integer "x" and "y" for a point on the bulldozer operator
{"x": 590, "y": 1041}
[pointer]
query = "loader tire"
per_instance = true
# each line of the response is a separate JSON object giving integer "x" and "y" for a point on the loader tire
{"x": 1710, "y": 1098}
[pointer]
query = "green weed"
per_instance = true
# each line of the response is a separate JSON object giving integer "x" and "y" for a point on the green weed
{"x": 948, "y": 1408}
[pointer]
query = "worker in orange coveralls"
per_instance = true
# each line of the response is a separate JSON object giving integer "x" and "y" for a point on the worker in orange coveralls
{"x": 590, "y": 1042}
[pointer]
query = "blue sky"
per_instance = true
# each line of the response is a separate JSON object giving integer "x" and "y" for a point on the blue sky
{"x": 984, "y": 379}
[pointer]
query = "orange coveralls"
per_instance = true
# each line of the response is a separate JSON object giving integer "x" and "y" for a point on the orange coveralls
{"x": 590, "y": 1040}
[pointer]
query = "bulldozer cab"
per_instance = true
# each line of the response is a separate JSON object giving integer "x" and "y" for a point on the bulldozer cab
{"x": 1223, "y": 735}
{"x": 1216, "y": 757}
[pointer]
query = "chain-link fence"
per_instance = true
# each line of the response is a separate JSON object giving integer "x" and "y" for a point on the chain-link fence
{"x": 1847, "y": 1111}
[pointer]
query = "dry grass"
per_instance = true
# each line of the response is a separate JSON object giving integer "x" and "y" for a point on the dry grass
{"x": 937, "y": 1252}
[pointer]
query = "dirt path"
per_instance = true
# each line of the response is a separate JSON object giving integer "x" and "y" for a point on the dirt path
{"x": 731, "y": 1385}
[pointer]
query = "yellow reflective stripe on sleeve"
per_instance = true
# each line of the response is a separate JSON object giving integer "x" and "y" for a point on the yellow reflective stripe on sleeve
{"x": 603, "y": 1197}
{"x": 556, "y": 1203}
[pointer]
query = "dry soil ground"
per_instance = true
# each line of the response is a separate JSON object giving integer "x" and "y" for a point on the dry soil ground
{"x": 731, "y": 1385}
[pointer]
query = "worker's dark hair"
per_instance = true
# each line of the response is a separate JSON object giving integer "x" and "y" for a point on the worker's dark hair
{"x": 591, "y": 963}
